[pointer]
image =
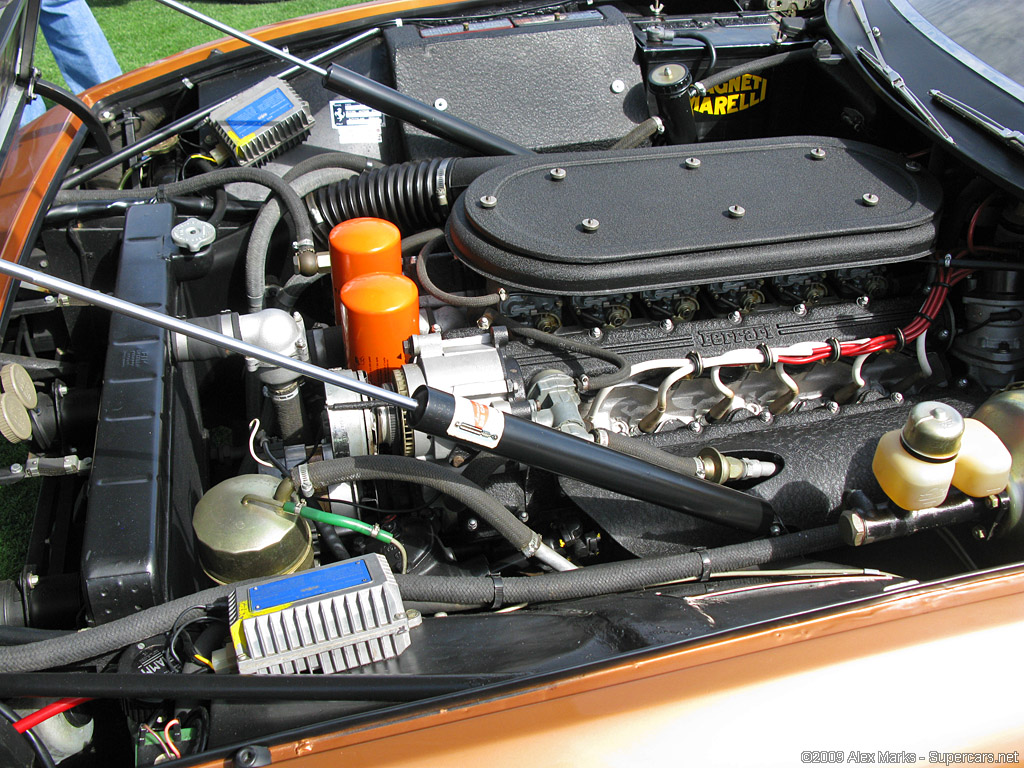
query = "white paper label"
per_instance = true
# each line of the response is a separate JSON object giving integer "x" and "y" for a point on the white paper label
{"x": 476, "y": 423}
{"x": 355, "y": 122}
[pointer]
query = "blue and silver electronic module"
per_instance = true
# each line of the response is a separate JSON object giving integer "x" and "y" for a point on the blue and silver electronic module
{"x": 326, "y": 620}
{"x": 262, "y": 121}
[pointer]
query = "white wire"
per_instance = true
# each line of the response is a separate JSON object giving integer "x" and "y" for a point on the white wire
{"x": 254, "y": 427}
{"x": 858, "y": 365}
{"x": 922, "y": 354}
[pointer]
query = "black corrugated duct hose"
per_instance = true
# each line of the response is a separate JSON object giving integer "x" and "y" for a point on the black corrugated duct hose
{"x": 413, "y": 196}
{"x": 458, "y": 591}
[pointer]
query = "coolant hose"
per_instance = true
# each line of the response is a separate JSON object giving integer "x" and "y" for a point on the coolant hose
{"x": 346, "y": 160}
{"x": 449, "y": 590}
{"x": 610, "y": 578}
{"x": 263, "y": 229}
{"x": 322, "y": 474}
{"x": 330, "y": 538}
{"x": 204, "y": 181}
{"x": 684, "y": 465}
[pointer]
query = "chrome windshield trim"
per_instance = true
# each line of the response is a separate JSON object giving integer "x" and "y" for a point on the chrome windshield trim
{"x": 906, "y": 9}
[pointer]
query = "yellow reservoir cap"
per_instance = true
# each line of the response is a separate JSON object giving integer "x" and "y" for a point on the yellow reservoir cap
{"x": 983, "y": 465}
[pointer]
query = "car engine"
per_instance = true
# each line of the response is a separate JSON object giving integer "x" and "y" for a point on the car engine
{"x": 727, "y": 295}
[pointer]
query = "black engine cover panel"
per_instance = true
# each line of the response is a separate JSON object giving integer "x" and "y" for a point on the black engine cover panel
{"x": 663, "y": 223}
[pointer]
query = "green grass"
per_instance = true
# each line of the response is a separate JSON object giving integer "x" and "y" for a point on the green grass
{"x": 142, "y": 31}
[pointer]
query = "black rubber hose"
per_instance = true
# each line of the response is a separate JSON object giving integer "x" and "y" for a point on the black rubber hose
{"x": 477, "y": 302}
{"x": 684, "y": 465}
{"x": 332, "y": 541}
{"x": 454, "y": 590}
{"x": 617, "y": 577}
{"x": 346, "y": 160}
{"x": 45, "y": 758}
{"x": 220, "y": 207}
{"x": 23, "y": 635}
{"x": 414, "y": 243}
{"x": 214, "y": 179}
{"x": 579, "y": 347}
{"x": 408, "y": 470}
{"x": 712, "y": 59}
{"x": 640, "y": 134}
{"x": 757, "y": 65}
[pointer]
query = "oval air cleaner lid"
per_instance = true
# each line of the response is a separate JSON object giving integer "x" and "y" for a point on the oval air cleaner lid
{"x": 616, "y": 221}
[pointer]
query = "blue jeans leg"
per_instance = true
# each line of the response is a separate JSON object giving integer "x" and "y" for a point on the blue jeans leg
{"x": 79, "y": 46}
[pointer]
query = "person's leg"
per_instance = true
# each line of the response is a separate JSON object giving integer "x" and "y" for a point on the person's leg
{"x": 78, "y": 44}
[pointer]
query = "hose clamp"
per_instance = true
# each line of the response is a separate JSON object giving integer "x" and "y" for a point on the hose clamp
{"x": 441, "y": 184}
{"x": 305, "y": 483}
{"x": 499, "y": 591}
{"x": 705, "y": 564}
{"x": 301, "y": 246}
{"x": 531, "y": 549}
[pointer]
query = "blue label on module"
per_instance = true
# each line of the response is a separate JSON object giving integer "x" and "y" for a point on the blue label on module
{"x": 319, "y": 581}
{"x": 262, "y": 112}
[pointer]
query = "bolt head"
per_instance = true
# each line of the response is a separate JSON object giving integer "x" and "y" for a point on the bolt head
{"x": 62, "y": 390}
{"x": 692, "y": 163}
{"x": 33, "y": 580}
{"x": 800, "y": 310}
{"x": 913, "y": 166}
{"x": 51, "y": 299}
{"x": 483, "y": 323}
{"x": 766, "y": 416}
{"x": 440, "y": 104}
{"x": 557, "y": 174}
{"x": 869, "y": 199}
{"x": 863, "y": 301}
{"x": 472, "y": 524}
{"x": 832, "y": 406}
{"x": 596, "y": 333}
{"x": 775, "y": 529}
{"x": 590, "y": 225}
{"x": 43, "y": 263}
{"x": 962, "y": 382}
{"x": 667, "y": 325}
{"x": 896, "y": 397}
{"x": 488, "y": 201}
{"x": 735, "y": 317}
{"x": 876, "y": 32}
{"x": 818, "y": 153}
{"x": 106, "y": 115}
{"x": 979, "y": 533}
{"x": 944, "y": 334}
{"x": 696, "y": 427}
{"x": 17, "y": 469}
{"x": 435, "y": 328}
{"x": 618, "y": 86}
{"x": 737, "y": 211}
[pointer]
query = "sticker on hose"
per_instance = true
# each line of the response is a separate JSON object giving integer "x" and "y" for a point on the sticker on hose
{"x": 476, "y": 423}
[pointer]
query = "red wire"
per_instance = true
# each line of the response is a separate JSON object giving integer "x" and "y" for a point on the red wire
{"x": 50, "y": 710}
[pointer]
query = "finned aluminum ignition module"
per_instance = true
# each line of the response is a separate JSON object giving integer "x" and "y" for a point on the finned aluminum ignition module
{"x": 262, "y": 121}
{"x": 328, "y": 619}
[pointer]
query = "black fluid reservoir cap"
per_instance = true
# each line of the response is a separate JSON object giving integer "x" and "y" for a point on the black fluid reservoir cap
{"x": 669, "y": 79}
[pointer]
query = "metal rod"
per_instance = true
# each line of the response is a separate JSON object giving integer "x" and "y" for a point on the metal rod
{"x": 194, "y": 118}
{"x": 228, "y": 30}
{"x": 123, "y": 307}
{"x": 384, "y": 99}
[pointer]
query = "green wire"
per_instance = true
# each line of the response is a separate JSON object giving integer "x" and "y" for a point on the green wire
{"x": 340, "y": 521}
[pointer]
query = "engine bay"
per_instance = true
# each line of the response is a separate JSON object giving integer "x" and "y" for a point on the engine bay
{"x": 729, "y": 317}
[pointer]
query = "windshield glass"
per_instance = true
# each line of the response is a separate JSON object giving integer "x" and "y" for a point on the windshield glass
{"x": 989, "y": 30}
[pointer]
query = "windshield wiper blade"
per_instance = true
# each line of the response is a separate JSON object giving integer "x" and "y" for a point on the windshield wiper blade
{"x": 897, "y": 83}
{"x": 1012, "y": 139}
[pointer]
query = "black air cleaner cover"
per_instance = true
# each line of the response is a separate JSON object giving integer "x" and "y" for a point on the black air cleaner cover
{"x": 662, "y": 223}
